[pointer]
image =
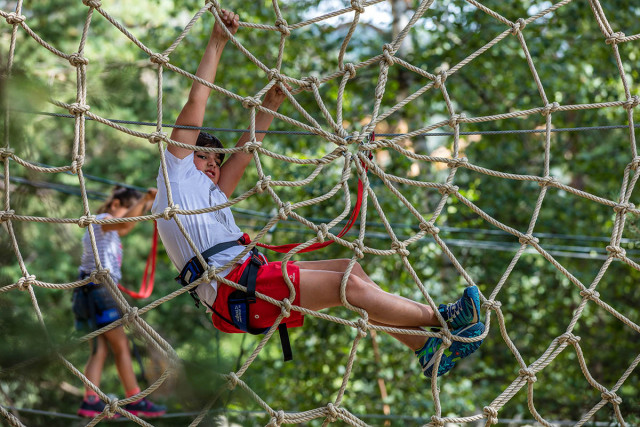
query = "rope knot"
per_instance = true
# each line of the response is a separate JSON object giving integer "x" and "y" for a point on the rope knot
{"x": 611, "y": 397}
{"x": 357, "y": 6}
{"x": 548, "y": 181}
{"x": 284, "y": 211}
{"x": 446, "y": 338}
{"x": 111, "y": 407}
{"x": 77, "y": 164}
{"x": 455, "y": 119}
{"x": 333, "y": 412}
{"x": 99, "y": 276}
{"x": 616, "y": 251}
{"x": 92, "y": 3}
{"x": 387, "y": 53}
{"x": 632, "y": 102}
{"x": 491, "y": 305}
{"x": 77, "y": 60}
{"x": 5, "y": 153}
{"x": 131, "y": 315}
{"x": 86, "y": 220}
{"x": 358, "y": 249}
{"x": 263, "y": 184}
{"x": 159, "y": 58}
{"x": 274, "y": 74}
{"x": 569, "y": 337}
{"x": 528, "y": 374}
{"x": 283, "y": 27}
{"x": 250, "y": 102}
{"x": 623, "y": 208}
{"x": 400, "y": 248}
{"x": 25, "y": 282}
{"x": 321, "y": 232}
{"x": 232, "y": 380}
{"x": 157, "y": 137}
{"x": 528, "y": 239}
{"x": 448, "y": 189}
{"x": 349, "y": 70}
{"x": 591, "y": 294}
{"x": 615, "y": 38}
{"x": 456, "y": 163}
{"x": 14, "y": 19}
{"x": 550, "y": 108}
{"x": 437, "y": 421}
{"x": 429, "y": 228}
{"x": 6, "y": 215}
{"x": 277, "y": 419}
{"x": 309, "y": 82}
{"x": 76, "y": 108}
{"x": 285, "y": 308}
{"x": 518, "y": 26}
{"x": 635, "y": 163}
{"x": 491, "y": 413}
{"x": 363, "y": 327}
{"x": 440, "y": 79}
{"x": 169, "y": 212}
{"x": 251, "y": 146}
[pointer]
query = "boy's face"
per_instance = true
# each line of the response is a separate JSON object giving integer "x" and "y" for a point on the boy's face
{"x": 209, "y": 163}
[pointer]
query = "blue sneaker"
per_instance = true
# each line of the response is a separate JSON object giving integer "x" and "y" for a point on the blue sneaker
{"x": 143, "y": 408}
{"x": 455, "y": 352}
{"x": 465, "y": 311}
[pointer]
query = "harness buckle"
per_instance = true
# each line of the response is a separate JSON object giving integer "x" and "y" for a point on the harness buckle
{"x": 189, "y": 274}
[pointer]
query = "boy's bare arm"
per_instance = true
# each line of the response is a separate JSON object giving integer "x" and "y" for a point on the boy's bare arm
{"x": 233, "y": 169}
{"x": 192, "y": 113}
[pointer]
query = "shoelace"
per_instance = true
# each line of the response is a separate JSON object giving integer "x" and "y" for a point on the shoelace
{"x": 453, "y": 310}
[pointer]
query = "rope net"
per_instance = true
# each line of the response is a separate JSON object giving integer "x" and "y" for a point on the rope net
{"x": 349, "y": 152}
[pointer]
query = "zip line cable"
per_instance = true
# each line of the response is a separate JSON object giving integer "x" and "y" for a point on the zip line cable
{"x": 287, "y": 132}
{"x": 583, "y": 252}
{"x": 70, "y": 189}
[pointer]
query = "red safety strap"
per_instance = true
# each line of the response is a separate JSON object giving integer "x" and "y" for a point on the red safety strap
{"x": 352, "y": 219}
{"x": 146, "y": 286}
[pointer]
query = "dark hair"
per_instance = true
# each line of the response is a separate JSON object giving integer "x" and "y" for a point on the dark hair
{"x": 207, "y": 140}
{"x": 126, "y": 196}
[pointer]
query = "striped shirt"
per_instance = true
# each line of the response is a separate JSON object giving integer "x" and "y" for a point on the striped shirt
{"x": 109, "y": 250}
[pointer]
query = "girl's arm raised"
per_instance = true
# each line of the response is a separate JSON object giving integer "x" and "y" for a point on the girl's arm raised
{"x": 137, "y": 209}
{"x": 192, "y": 113}
{"x": 232, "y": 170}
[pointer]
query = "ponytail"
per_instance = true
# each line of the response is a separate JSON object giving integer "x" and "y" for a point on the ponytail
{"x": 126, "y": 196}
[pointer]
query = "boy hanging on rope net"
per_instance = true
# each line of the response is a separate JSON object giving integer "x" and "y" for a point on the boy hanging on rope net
{"x": 94, "y": 307}
{"x": 200, "y": 180}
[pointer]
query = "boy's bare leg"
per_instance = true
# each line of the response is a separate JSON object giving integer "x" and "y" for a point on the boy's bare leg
{"x": 320, "y": 289}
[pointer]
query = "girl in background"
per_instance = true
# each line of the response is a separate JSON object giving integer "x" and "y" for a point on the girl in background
{"x": 94, "y": 307}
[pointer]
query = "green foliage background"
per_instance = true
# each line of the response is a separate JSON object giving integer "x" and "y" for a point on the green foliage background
{"x": 574, "y": 65}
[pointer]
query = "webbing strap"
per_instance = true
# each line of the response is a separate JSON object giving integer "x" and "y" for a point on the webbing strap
{"x": 219, "y": 248}
{"x": 146, "y": 286}
{"x": 284, "y": 342}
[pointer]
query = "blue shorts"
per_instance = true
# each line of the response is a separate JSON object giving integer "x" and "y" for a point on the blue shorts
{"x": 94, "y": 307}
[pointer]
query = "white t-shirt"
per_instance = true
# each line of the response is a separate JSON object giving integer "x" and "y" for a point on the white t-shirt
{"x": 109, "y": 250}
{"x": 192, "y": 189}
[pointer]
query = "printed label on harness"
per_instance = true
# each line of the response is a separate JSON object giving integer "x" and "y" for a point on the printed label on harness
{"x": 237, "y": 315}
{"x": 238, "y": 311}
